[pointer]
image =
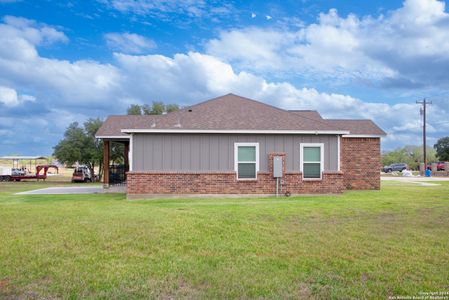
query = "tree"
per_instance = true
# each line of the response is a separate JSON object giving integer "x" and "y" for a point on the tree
{"x": 134, "y": 109}
{"x": 158, "y": 108}
{"x": 411, "y": 155}
{"x": 79, "y": 145}
{"x": 442, "y": 148}
{"x": 146, "y": 109}
{"x": 94, "y": 146}
{"x": 171, "y": 107}
{"x": 74, "y": 147}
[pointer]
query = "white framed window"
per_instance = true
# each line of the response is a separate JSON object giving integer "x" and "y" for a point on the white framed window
{"x": 311, "y": 160}
{"x": 246, "y": 160}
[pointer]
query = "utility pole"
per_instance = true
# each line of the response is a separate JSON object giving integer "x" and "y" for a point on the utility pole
{"x": 424, "y": 103}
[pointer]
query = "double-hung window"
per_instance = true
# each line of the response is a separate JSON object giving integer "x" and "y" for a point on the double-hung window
{"x": 246, "y": 160}
{"x": 311, "y": 160}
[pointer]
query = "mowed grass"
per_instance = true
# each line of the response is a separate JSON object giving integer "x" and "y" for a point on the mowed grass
{"x": 362, "y": 244}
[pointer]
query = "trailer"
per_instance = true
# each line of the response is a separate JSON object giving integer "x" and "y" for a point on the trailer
{"x": 15, "y": 174}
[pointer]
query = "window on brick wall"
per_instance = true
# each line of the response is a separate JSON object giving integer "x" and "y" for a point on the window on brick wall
{"x": 312, "y": 160}
{"x": 246, "y": 160}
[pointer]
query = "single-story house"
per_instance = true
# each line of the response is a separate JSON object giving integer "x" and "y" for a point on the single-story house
{"x": 228, "y": 145}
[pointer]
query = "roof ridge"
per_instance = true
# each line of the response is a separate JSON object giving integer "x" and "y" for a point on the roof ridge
{"x": 266, "y": 105}
{"x": 235, "y": 95}
{"x": 296, "y": 110}
{"x": 349, "y": 120}
{"x": 323, "y": 121}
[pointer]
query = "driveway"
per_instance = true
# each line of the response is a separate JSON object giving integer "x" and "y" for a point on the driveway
{"x": 419, "y": 180}
{"x": 74, "y": 190}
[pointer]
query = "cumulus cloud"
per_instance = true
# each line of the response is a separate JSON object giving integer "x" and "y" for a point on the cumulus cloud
{"x": 68, "y": 91}
{"x": 406, "y": 47}
{"x": 78, "y": 83}
{"x": 164, "y": 78}
{"x": 165, "y": 9}
{"x": 129, "y": 42}
{"x": 9, "y": 97}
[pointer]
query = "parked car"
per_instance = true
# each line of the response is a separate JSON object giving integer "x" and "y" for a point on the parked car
{"x": 18, "y": 172}
{"x": 395, "y": 167}
{"x": 82, "y": 174}
{"x": 441, "y": 165}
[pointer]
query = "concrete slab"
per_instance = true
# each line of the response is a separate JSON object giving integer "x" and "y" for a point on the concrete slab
{"x": 414, "y": 178}
{"x": 418, "y": 180}
{"x": 65, "y": 190}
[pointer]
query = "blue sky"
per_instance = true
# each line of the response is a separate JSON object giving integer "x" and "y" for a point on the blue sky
{"x": 65, "y": 61}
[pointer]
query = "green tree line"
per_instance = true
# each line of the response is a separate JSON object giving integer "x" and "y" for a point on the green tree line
{"x": 79, "y": 144}
{"x": 413, "y": 155}
{"x": 157, "y": 108}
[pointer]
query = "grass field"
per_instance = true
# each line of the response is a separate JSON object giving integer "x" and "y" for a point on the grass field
{"x": 360, "y": 245}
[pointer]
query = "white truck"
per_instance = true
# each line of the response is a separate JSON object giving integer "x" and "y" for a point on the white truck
{"x": 6, "y": 173}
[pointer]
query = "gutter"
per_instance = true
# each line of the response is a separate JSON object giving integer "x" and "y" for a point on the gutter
{"x": 316, "y": 132}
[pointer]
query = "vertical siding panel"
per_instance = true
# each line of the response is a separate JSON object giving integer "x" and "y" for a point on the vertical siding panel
{"x": 263, "y": 155}
{"x": 176, "y": 153}
{"x": 194, "y": 152}
{"x": 143, "y": 151}
{"x": 147, "y": 152}
{"x": 290, "y": 153}
{"x": 329, "y": 153}
{"x": 204, "y": 159}
{"x": 137, "y": 153}
{"x": 157, "y": 153}
{"x": 214, "y": 153}
{"x": 185, "y": 153}
{"x": 231, "y": 141}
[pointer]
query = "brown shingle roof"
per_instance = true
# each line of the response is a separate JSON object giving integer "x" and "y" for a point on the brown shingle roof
{"x": 357, "y": 127}
{"x": 309, "y": 114}
{"x": 228, "y": 112}
{"x": 114, "y": 124}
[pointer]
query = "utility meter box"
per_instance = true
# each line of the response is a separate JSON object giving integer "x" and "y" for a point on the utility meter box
{"x": 277, "y": 166}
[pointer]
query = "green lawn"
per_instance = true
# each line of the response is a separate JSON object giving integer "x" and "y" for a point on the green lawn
{"x": 362, "y": 244}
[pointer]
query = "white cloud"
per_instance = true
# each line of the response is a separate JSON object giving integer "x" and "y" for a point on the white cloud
{"x": 68, "y": 91}
{"x": 253, "y": 48}
{"x": 80, "y": 82}
{"x": 161, "y": 77}
{"x": 129, "y": 42}
{"x": 33, "y": 32}
{"x": 9, "y": 97}
{"x": 407, "y": 47}
{"x": 9, "y": 1}
{"x": 165, "y": 9}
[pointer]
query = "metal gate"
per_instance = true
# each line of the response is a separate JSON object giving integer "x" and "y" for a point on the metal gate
{"x": 117, "y": 175}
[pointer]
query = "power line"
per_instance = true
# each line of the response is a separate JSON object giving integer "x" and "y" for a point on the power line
{"x": 424, "y": 103}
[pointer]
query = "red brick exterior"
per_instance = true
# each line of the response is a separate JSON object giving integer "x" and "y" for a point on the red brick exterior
{"x": 360, "y": 163}
{"x": 360, "y": 170}
{"x": 147, "y": 183}
{"x": 226, "y": 183}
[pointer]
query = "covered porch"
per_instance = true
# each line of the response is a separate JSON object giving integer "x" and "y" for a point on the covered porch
{"x": 115, "y": 161}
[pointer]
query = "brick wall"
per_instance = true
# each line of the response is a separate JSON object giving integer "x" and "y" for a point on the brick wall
{"x": 360, "y": 163}
{"x": 147, "y": 183}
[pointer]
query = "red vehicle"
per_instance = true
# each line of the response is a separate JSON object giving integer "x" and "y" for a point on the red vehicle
{"x": 17, "y": 176}
{"x": 82, "y": 174}
{"x": 441, "y": 166}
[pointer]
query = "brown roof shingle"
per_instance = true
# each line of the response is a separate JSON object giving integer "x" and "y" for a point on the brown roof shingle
{"x": 228, "y": 112}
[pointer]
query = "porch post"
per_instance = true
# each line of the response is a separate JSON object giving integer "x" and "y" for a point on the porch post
{"x": 105, "y": 164}
{"x": 126, "y": 157}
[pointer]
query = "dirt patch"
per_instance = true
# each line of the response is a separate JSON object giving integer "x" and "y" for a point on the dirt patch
{"x": 4, "y": 283}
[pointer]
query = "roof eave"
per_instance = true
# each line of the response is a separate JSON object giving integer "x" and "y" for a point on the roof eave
{"x": 363, "y": 135}
{"x": 316, "y": 132}
{"x": 112, "y": 136}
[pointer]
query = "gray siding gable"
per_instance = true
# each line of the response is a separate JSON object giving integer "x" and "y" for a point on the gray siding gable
{"x": 215, "y": 152}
